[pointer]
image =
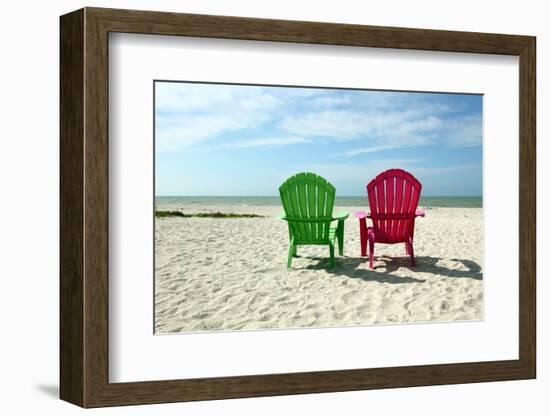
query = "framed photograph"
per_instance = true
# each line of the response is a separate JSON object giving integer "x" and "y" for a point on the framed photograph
{"x": 255, "y": 207}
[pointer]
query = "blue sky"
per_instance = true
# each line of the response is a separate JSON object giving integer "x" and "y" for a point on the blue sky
{"x": 241, "y": 140}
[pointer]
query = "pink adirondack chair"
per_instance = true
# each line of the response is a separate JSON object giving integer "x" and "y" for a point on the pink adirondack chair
{"x": 393, "y": 200}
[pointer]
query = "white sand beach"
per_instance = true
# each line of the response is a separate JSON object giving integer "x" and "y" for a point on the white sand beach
{"x": 230, "y": 274}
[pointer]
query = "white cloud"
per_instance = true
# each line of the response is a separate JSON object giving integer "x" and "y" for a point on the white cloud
{"x": 330, "y": 101}
{"x": 376, "y": 131}
{"x": 261, "y": 102}
{"x": 465, "y": 131}
{"x": 414, "y": 127}
{"x": 187, "y": 114}
{"x": 364, "y": 150}
{"x": 181, "y": 131}
{"x": 406, "y": 134}
{"x": 330, "y": 124}
{"x": 254, "y": 143}
{"x": 352, "y": 125}
{"x": 271, "y": 142}
{"x": 174, "y": 97}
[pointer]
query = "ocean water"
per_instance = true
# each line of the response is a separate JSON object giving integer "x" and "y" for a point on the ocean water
{"x": 343, "y": 201}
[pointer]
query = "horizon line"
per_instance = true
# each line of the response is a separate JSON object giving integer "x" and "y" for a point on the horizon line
{"x": 277, "y": 196}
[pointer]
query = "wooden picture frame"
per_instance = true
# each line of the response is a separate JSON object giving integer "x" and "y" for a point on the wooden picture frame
{"x": 84, "y": 207}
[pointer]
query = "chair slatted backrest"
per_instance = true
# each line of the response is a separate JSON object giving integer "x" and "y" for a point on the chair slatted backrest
{"x": 393, "y": 199}
{"x": 308, "y": 200}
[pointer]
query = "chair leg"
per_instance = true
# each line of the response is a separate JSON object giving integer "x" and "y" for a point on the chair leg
{"x": 341, "y": 238}
{"x": 371, "y": 251}
{"x": 411, "y": 252}
{"x": 363, "y": 235}
{"x": 331, "y": 248}
{"x": 295, "y": 251}
{"x": 290, "y": 236}
{"x": 407, "y": 249}
{"x": 291, "y": 253}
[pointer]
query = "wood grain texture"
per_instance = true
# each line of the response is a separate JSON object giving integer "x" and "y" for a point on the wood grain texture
{"x": 71, "y": 218}
{"x": 84, "y": 207}
{"x": 96, "y": 208}
{"x": 306, "y": 383}
{"x": 226, "y": 27}
{"x": 527, "y": 207}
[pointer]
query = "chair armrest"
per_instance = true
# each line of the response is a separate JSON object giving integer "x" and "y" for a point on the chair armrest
{"x": 281, "y": 216}
{"x": 420, "y": 213}
{"x": 341, "y": 215}
{"x": 361, "y": 215}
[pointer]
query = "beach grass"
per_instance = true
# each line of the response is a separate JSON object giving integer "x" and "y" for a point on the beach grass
{"x": 164, "y": 214}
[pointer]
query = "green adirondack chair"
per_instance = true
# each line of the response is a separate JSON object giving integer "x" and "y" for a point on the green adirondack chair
{"x": 308, "y": 200}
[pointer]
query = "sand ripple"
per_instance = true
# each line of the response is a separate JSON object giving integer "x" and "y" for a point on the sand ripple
{"x": 230, "y": 274}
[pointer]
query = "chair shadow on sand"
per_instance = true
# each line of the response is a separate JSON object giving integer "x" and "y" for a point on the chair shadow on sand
{"x": 350, "y": 266}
